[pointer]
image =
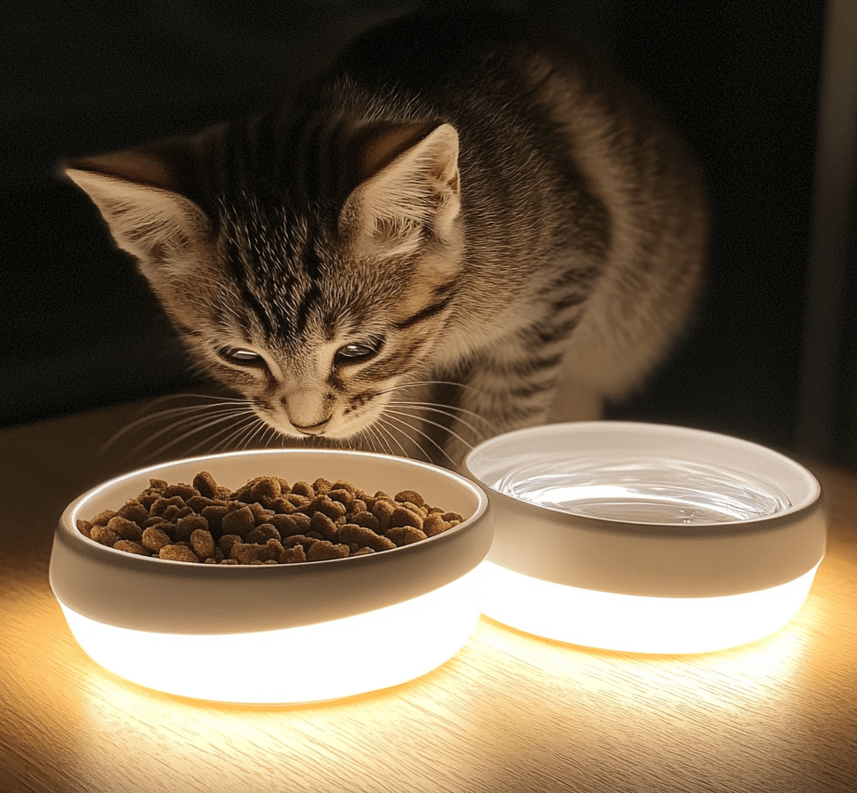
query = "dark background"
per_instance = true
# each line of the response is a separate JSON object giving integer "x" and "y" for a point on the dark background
{"x": 79, "y": 328}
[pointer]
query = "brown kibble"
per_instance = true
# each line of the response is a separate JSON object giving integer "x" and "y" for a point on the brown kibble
{"x": 202, "y": 543}
{"x": 135, "y": 511}
{"x": 129, "y": 546}
{"x": 154, "y": 539}
{"x": 226, "y": 542}
{"x": 126, "y": 529}
{"x": 84, "y": 527}
{"x": 182, "y": 490}
{"x": 249, "y": 553}
{"x": 177, "y": 553}
{"x": 103, "y": 535}
{"x": 265, "y": 521}
{"x": 362, "y": 536}
{"x": 323, "y": 549}
{"x": 410, "y": 495}
{"x": 103, "y": 518}
{"x": 285, "y": 525}
{"x": 402, "y": 516}
{"x": 292, "y": 555}
{"x": 433, "y": 524}
{"x": 162, "y": 506}
{"x": 303, "y": 489}
{"x": 321, "y": 486}
{"x": 238, "y": 521}
{"x": 368, "y": 520}
{"x": 261, "y": 534}
{"x": 405, "y": 535}
{"x": 326, "y": 528}
{"x": 188, "y": 525}
{"x": 214, "y": 516}
{"x": 205, "y": 484}
{"x": 383, "y": 511}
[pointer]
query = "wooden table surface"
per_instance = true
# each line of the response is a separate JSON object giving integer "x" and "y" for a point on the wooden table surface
{"x": 508, "y": 713}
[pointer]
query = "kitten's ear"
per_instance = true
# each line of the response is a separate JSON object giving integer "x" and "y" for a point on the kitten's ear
{"x": 133, "y": 191}
{"x": 412, "y": 187}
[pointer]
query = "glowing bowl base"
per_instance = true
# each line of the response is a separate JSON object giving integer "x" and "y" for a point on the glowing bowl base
{"x": 329, "y": 660}
{"x": 632, "y": 623}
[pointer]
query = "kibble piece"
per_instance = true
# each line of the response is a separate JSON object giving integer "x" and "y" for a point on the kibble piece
{"x": 129, "y": 546}
{"x": 177, "y": 553}
{"x": 293, "y": 555}
{"x": 267, "y": 488}
{"x": 182, "y": 490}
{"x": 162, "y": 506}
{"x": 154, "y": 539}
{"x": 303, "y": 489}
{"x": 362, "y": 536}
{"x": 261, "y": 534}
{"x": 205, "y": 484}
{"x": 188, "y": 525}
{"x": 214, "y": 516}
{"x": 226, "y": 542}
{"x": 135, "y": 511}
{"x": 325, "y": 527}
{"x": 410, "y": 495}
{"x": 84, "y": 527}
{"x": 285, "y": 525}
{"x": 126, "y": 529}
{"x": 363, "y": 551}
{"x": 450, "y": 516}
{"x": 323, "y": 549}
{"x": 321, "y": 486}
{"x": 238, "y": 521}
{"x": 249, "y": 553}
{"x": 103, "y": 535}
{"x": 383, "y": 511}
{"x": 103, "y": 518}
{"x": 405, "y": 535}
{"x": 433, "y": 524}
{"x": 202, "y": 543}
{"x": 402, "y": 516}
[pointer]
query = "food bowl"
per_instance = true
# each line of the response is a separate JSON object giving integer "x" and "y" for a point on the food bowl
{"x": 646, "y": 538}
{"x": 280, "y": 633}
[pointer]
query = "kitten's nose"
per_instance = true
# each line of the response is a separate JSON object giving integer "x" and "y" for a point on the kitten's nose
{"x": 312, "y": 429}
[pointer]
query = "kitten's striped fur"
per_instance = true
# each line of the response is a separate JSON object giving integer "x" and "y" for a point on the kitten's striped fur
{"x": 457, "y": 204}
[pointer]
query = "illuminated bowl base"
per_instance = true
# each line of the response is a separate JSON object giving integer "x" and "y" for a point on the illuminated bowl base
{"x": 632, "y": 623}
{"x": 329, "y": 660}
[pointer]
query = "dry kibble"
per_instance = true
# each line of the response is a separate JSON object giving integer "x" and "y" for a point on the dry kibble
{"x": 129, "y": 546}
{"x": 154, "y": 539}
{"x": 103, "y": 535}
{"x": 405, "y": 535}
{"x": 202, "y": 543}
{"x": 177, "y": 553}
{"x": 265, "y": 521}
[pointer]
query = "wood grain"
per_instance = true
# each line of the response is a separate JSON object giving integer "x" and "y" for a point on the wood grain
{"x": 508, "y": 713}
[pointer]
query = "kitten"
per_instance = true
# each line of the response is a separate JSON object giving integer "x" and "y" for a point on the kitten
{"x": 463, "y": 228}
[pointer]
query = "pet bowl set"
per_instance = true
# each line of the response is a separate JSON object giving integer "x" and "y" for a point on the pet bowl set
{"x": 622, "y": 536}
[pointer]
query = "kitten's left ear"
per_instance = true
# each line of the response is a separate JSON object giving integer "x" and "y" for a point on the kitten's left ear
{"x": 146, "y": 217}
{"x": 407, "y": 193}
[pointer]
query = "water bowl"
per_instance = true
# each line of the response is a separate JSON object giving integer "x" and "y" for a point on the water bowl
{"x": 644, "y": 537}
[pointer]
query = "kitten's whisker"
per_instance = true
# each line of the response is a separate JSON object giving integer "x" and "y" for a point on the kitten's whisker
{"x": 433, "y": 424}
{"x": 427, "y": 406}
{"x": 227, "y": 431}
{"x": 419, "y": 432}
{"x": 163, "y": 414}
{"x": 439, "y": 406}
{"x": 381, "y": 427}
{"x": 391, "y": 431}
{"x": 198, "y": 424}
{"x": 195, "y": 422}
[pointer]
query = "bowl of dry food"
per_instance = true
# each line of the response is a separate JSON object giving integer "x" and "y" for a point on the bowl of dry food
{"x": 644, "y": 537}
{"x": 273, "y": 576}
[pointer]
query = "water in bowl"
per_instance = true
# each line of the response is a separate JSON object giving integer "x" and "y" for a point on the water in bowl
{"x": 643, "y": 491}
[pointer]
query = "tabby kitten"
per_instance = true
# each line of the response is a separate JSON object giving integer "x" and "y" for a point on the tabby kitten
{"x": 463, "y": 228}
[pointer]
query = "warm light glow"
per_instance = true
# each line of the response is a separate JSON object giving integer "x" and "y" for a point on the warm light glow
{"x": 633, "y": 623}
{"x": 366, "y": 652}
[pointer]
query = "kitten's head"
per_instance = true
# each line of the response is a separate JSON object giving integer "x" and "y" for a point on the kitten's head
{"x": 313, "y": 307}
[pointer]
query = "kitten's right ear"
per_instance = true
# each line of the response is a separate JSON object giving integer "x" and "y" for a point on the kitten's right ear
{"x": 132, "y": 190}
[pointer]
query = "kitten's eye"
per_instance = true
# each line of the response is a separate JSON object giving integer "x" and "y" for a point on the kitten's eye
{"x": 358, "y": 351}
{"x": 241, "y": 357}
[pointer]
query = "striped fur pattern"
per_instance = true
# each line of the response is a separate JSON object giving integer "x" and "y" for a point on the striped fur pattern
{"x": 462, "y": 229}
